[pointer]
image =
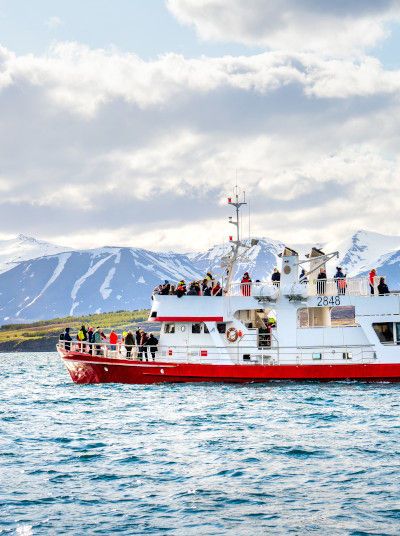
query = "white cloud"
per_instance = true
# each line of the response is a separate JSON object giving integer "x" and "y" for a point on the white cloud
{"x": 337, "y": 27}
{"x": 53, "y": 22}
{"x": 110, "y": 148}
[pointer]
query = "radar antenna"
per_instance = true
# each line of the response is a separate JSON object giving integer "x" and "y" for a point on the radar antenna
{"x": 229, "y": 261}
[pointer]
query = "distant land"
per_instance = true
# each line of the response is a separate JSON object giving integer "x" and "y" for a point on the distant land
{"x": 42, "y": 336}
{"x": 39, "y": 280}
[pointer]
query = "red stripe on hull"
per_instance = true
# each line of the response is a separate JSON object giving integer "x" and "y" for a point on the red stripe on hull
{"x": 88, "y": 369}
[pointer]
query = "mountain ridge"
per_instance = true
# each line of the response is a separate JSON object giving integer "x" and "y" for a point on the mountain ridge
{"x": 110, "y": 278}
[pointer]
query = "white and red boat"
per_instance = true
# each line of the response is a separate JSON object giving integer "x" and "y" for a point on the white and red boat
{"x": 260, "y": 332}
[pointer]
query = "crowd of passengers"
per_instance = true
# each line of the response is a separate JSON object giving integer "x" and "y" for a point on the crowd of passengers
{"x": 210, "y": 287}
{"x": 140, "y": 345}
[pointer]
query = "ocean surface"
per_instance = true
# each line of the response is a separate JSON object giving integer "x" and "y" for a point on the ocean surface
{"x": 279, "y": 459}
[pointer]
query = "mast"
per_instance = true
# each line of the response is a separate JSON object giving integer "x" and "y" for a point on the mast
{"x": 230, "y": 261}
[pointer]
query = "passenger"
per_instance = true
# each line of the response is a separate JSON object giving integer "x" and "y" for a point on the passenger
{"x": 181, "y": 290}
{"x": 372, "y": 274}
{"x": 82, "y": 336}
{"x": 156, "y": 291}
{"x": 165, "y": 288}
{"x": 138, "y": 335}
{"x": 207, "y": 291}
{"x": 321, "y": 282}
{"x": 142, "y": 347}
{"x": 276, "y": 277}
{"x": 217, "y": 290}
{"x": 302, "y": 277}
{"x": 340, "y": 280}
{"x": 113, "y": 341}
{"x": 97, "y": 339}
{"x": 67, "y": 339}
{"x": 152, "y": 342}
{"x": 382, "y": 287}
{"x": 172, "y": 290}
{"x": 193, "y": 290}
{"x": 90, "y": 340}
{"x": 129, "y": 343}
{"x": 246, "y": 284}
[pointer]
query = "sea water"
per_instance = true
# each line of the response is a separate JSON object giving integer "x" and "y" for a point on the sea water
{"x": 195, "y": 459}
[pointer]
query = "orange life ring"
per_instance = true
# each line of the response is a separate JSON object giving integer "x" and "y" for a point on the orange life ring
{"x": 232, "y": 334}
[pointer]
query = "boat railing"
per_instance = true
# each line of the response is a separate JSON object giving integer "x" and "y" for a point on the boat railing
{"x": 243, "y": 354}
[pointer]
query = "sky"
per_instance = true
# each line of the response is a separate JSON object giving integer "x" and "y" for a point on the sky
{"x": 128, "y": 122}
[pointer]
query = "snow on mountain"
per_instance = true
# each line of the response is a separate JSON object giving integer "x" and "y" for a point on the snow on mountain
{"x": 114, "y": 278}
{"x": 259, "y": 260}
{"x": 363, "y": 251}
{"x": 87, "y": 281}
{"x": 23, "y": 248}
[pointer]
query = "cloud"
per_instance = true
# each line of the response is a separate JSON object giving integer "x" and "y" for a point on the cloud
{"x": 100, "y": 146}
{"x": 53, "y": 22}
{"x": 337, "y": 27}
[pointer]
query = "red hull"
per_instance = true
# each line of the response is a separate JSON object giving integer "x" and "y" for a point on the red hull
{"x": 91, "y": 369}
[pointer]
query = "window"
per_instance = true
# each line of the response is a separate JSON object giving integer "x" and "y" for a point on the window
{"x": 317, "y": 356}
{"x": 169, "y": 328}
{"x": 384, "y": 330}
{"x": 221, "y": 328}
{"x": 398, "y": 332}
{"x": 347, "y": 355}
{"x": 196, "y": 328}
{"x": 206, "y": 329}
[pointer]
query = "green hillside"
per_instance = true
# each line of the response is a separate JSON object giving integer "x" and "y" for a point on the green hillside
{"x": 43, "y": 335}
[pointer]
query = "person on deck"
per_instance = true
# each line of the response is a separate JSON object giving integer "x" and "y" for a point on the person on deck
{"x": 165, "y": 288}
{"x": 90, "y": 340}
{"x": 181, "y": 289}
{"x": 372, "y": 275}
{"x": 302, "y": 277}
{"x": 245, "y": 286}
{"x": 340, "y": 280}
{"x": 142, "y": 347}
{"x": 321, "y": 282}
{"x": 192, "y": 289}
{"x": 129, "y": 343}
{"x": 382, "y": 287}
{"x": 113, "y": 340}
{"x": 152, "y": 342}
{"x": 67, "y": 339}
{"x": 276, "y": 277}
{"x": 97, "y": 339}
{"x": 217, "y": 290}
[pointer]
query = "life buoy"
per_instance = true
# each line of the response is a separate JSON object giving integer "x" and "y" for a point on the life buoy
{"x": 232, "y": 334}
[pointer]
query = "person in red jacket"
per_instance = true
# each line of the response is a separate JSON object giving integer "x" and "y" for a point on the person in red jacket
{"x": 372, "y": 274}
{"x": 246, "y": 284}
{"x": 113, "y": 340}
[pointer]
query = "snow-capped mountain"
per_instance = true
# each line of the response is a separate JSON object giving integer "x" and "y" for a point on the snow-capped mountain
{"x": 115, "y": 278}
{"x": 259, "y": 260}
{"x": 364, "y": 250}
{"x": 23, "y": 248}
{"x": 88, "y": 281}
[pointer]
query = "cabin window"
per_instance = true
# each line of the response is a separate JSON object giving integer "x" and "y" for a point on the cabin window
{"x": 206, "y": 329}
{"x": 347, "y": 355}
{"x": 196, "y": 328}
{"x": 384, "y": 330}
{"x": 169, "y": 328}
{"x": 221, "y": 328}
{"x": 317, "y": 356}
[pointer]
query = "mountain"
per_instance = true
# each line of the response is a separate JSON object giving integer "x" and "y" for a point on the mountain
{"x": 364, "y": 250}
{"x": 260, "y": 259}
{"x": 87, "y": 281}
{"x": 24, "y": 248}
{"x": 78, "y": 282}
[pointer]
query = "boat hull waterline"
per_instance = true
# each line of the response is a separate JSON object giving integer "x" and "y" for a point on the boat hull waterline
{"x": 85, "y": 368}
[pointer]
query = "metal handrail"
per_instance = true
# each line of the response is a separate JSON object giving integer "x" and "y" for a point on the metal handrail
{"x": 211, "y": 354}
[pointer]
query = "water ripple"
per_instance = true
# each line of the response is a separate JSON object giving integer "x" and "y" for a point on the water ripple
{"x": 188, "y": 460}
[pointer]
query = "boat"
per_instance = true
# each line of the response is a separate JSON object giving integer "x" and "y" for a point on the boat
{"x": 263, "y": 331}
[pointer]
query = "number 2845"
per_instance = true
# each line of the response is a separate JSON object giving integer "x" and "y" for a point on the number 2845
{"x": 324, "y": 301}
